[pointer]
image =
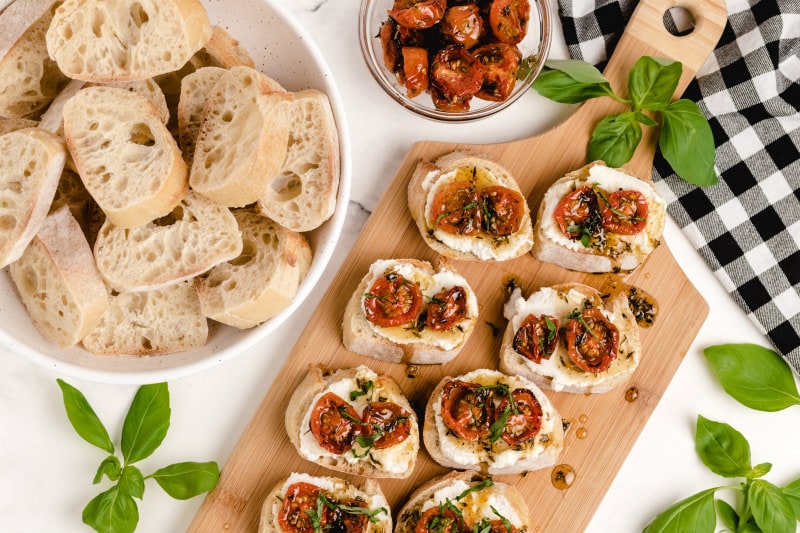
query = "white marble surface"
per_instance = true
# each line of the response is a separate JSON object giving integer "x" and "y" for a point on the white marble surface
{"x": 46, "y": 470}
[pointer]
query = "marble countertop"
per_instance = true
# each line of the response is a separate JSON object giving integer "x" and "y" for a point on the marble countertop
{"x": 46, "y": 470}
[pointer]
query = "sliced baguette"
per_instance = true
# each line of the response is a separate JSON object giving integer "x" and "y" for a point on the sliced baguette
{"x": 412, "y": 342}
{"x": 72, "y": 193}
{"x": 7, "y": 125}
{"x": 126, "y": 40}
{"x": 150, "y": 323}
{"x": 262, "y": 280}
{"x": 557, "y": 372}
{"x": 31, "y": 161}
{"x": 303, "y": 194}
{"x": 396, "y": 461}
{"x": 58, "y": 281}
{"x": 124, "y": 154}
{"x": 499, "y": 457}
{"x": 364, "y": 493}
{"x": 242, "y": 140}
{"x": 222, "y": 50}
{"x": 197, "y": 235}
{"x": 614, "y": 253}
{"x": 480, "y": 172}
{"x": 195, "y": 89}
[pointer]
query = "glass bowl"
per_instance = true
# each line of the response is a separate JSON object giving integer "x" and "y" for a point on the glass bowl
{"x": 534, "y": 47}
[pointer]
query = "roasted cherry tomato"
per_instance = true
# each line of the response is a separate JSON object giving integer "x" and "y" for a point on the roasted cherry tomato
{"x": 456, "y": 74}
{"x": 500, "y": 62}
{"x": 592, "y": 341}
{"x": 388, "y": 420}
{"x": 391, "y": 47}
{"x": 524, "y": 419}
{"x": 334, "y": 423}
{"x": 467, "y": 410}
{"x": 503, "y": 210}
{"x": 418, "y": 14}
{"x": 447, "y": 308}
{"x": 299, "y": 498}
{"x": 509, "y": 20}
{"x": 463, "y": 25}
{"x": 342, "y": 521}
{"x": 440, "y": 519}
{"x": 457, "y": 209}
{"x": 576, "y": 211}
{"x": 444, "y": 103}
{"x": 624, "y": 212}
{"x": 392, "y": 301}
{"x": 415, "y": 70}
{"x": 535, "y": 338}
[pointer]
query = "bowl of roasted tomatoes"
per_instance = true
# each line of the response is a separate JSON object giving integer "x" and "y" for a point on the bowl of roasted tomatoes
{"x": 455, "y": 60}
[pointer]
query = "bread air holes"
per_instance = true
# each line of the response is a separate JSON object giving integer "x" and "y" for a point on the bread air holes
{"x": 247, "y": 255}
{"x": 142, "y": 135}
{"x": 98, "y": 19}
{"x": 288, "y": 185}
{"x": 138, "y": 15}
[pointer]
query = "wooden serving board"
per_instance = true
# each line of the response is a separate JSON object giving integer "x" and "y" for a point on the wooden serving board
{"x": 604, "y": 427}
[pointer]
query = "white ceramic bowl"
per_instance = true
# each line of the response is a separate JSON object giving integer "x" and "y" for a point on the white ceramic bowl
{"x": 282, "y": 49}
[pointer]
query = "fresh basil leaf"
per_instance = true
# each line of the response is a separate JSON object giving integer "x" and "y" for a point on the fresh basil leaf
{"x": 614, "y": 139}
{"x": 760, "y": 470}
{"x": 578, "y": 70}
{"x": 749, "y": 527}
{"x": 695, "y": 513}
{"x": 111, "y": 512}
{"x": 687, "y": 143}
{"x": 755, "y": 376}
{"x": 131, "y": 482}
{"x": 722, "y": 449}
{"x": 109, "y": 467}
{"x": 644, "y": 119}
{"x": 652, "y": 82}
{"x": 571, "y": 81}
{"x": 147, "y": 422}
{"x": 728, "y": 515}
{"x": 771, "y": 510}
{"x": 186, "y": 480}
{"x": 83, "y": 418}
{"x": 792, "y": 493}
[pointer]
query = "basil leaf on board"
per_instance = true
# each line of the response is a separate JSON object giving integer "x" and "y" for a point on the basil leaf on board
{"x": 728, "y": 515}
{"x": 131, "y": 482}
{"x": 109, "y": 467}
{"x": 111, "y": 512}
{"x": 760, "y": 470}
{"x": 755, "y": 376}
{"x": 652, "y": 82}
{"x": 722, "y": 449}
{"x": 83, "y": 418}
{"x": 792, "y": 493}
{"x": 570, "y": 81}
{"x": 614, "y": 139}
{"x": 146, "y": 423}
{"x": 186, "y": 480}
{"x": 644, "y": 119}
{"x": 771, "y": 510}
{"x": 687, "y": 143}
{"x": 696, "y": 514}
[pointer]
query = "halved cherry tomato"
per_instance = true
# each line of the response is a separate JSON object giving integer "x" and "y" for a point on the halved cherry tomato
{"x": 592, "y": 341}
{"x": 299, "y": 498}
{"x": 509, "y": 20}
{"x": 390, "y": 420}
{"x": 462, "y": 25}
{"x": 415, "y": 70}
{"x": 500, "y": 62}
{"x": 524, "y": 420}
{"x": 467, "y": 410}
{"x": 447, "y": 308}
{"x": 418, "y": 14}
{"x": 334, "y": 423}
{"x": 440, "y": 519}
{"x": 392, "y": 301}
{"x": 576, "y": 210}
{"x": 503, "y": 208}
{"x": 535, "y": 338}
{"x": 625, "y": 212}
{"x": 348, "y": 522}
{"x": 457, "y": 209}
{"x": 456, "y": 73}
{"x": 444, "y": 103}
{"x": 391, "y": 47}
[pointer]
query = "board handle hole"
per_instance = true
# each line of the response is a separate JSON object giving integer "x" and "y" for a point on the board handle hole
{"x": 679, "y": 21}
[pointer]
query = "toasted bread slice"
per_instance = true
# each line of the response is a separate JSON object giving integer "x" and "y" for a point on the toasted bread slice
{"x": 195, "y": 90}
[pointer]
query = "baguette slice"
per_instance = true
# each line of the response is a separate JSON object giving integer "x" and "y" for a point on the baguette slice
{"x": 58, "y": 281}
{"x": 150, "y": 323}
{"x": 7, "y": 125}
{"x": 223, "y": 51}
{"x": 72, "y": 193}
{"x": 195, "y": 89}
{"x": 540, "y": 450}
{"x": 468, "y": 492}
{"x": 479, "y": 172}
{"x": 124, "y": 40}
{"x": 31, "y": 161}
{"x": 303, "y": 194}
{"x": 197, "y": 235}
{"x": 608, "y": 251}
{"x": 364, "y": 493}
{"x": 396, "y": 461}
{"x": 262, "y": 280}
{"x": 412, "y": 342}
{"x": 558, "y": 372}
{"x": 124, "y": 154}
{"x": 242, "y": 140}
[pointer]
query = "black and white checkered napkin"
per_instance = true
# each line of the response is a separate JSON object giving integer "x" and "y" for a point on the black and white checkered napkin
{"x": 748, "y": 226}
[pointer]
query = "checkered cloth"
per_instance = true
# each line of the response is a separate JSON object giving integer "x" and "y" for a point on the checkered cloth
{"x": 748, "y": 226}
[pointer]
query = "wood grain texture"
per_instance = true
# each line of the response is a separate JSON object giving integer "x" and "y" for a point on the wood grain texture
{"x": 264, "y": 455}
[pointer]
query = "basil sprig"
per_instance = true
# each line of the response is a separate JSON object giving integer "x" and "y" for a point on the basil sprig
{"x": 115, "y": 510}
{"x": 685, "y": 140}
